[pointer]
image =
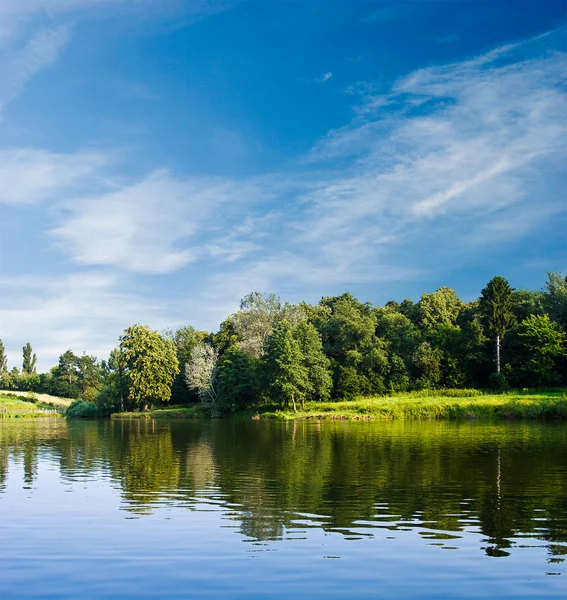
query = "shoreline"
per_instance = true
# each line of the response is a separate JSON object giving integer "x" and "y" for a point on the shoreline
{"x": 510, "y": 406}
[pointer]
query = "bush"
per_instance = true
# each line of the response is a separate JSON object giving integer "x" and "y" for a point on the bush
{"x": 107, "y": 401}
{"x": 80, "y": 409}
{"x": 498, "y": 381}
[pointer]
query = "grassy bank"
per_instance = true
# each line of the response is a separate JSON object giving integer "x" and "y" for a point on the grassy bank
{"x": 26, "y": 406}
{"x": 441, "y": 404}
{"x": 175, "y": 412}
{"x": 550, "y": 405}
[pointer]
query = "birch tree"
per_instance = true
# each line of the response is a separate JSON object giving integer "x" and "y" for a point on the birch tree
{"x": 201, "y": 375}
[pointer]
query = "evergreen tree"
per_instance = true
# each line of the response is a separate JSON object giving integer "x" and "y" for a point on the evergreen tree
{"x": 497, "y": 303}
{"x": 29, "y": 361}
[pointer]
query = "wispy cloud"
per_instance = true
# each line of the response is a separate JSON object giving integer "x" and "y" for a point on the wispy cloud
{"x": 20, "y": 64}
{"x": 30, "y": 176}
{"x": 156, "y": 225}
{"x": 439, "y": 171}
{"x": 33, "y": 33}
{"x": 326, "y": 77}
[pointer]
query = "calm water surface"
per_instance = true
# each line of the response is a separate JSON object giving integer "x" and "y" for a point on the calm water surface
{"x": 228, "y": 509}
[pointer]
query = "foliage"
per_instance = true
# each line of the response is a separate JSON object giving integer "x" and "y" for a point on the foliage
{"x": 201, "y": 375}
{"x": 439, "y": 309}
{"x": 238, "y": 380}
{"x": 150, "y": 365}
{"x": 285, "y": 371}
{"x": 81, "y": 409}
{"x": 258, "y": 315}
{"x": 273, "y": 353}
{"x": 497, "y": 303}
{"x": 3, "y": 360}
{"x": 29, "y": 360}
{"x": 543, "y": 345}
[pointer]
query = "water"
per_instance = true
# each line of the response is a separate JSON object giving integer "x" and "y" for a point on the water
{"x": 250, "y": 509}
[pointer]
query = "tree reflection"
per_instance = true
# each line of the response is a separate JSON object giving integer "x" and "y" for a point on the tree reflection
{"x": 504, "y": 480}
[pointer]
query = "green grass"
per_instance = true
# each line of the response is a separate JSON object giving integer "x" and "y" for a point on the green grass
{"x": 17, "y": 406}
{"x": 434, "y": 405}
{"x": 424, "y": 404}
{"x": 175, "y": 412}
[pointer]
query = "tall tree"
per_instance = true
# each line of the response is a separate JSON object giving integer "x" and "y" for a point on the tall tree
{"x": 440, "y": 308}
{"x": 30, "y": 360}
{"x": 285, "y": 370}
{"x": 497, "y": 303}
{"x": 258, "y": 315}
{"x": 117, "y": 375}
{"x": 555, "y": 298}
{"x": 89, "y": 376}
{"x": 201, "y": 375}
{"x": 543, "y": 343}
{"x": 319, "y": 381}
{"x": 151, "y": 365}
{"x": 3, "y": 360}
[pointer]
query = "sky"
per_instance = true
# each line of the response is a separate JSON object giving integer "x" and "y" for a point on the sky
{"x": 160, "y": 159}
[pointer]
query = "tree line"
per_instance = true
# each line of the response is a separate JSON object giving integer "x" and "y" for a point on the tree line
{"x": 286, "y": 354}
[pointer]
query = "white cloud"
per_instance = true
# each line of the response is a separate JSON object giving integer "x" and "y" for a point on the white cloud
{"x": 469, "y": 140}
{"x": 326, "y": 77}
{"x": 29, "y": 176}
{"x": 156, "y": 225}
{"x": 84, "y": 311}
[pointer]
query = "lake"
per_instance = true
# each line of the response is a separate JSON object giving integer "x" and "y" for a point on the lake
{"x": 270, "y": 509}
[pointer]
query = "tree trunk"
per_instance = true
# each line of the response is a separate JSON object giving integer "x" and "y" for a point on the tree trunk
{"x": 498, "y": 354}
{"x": 293, "y": 400}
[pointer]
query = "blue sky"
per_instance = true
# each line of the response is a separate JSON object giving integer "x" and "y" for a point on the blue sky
{"x": 160, "y": 159}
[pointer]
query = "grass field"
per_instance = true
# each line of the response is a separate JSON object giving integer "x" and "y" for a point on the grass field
{"x": 25, "y": 405}
{"x": 439, "y": 404}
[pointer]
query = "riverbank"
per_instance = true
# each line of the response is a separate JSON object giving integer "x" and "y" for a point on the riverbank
{"x": 463, "y": 404}
{"x": 26, "y": 405}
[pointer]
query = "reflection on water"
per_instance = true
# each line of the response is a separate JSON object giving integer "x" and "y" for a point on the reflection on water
{"x": 492, "y": 490}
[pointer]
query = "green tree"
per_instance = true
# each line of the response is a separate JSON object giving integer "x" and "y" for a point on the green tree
{"x": 428, "y": 362}
{"x": 284, "y": 366}
{"x": 319, "y": 380}
{"x": 359, "y": 359}
{"x": 497, "y": 303}
{"x": 89, "y": 376}
{"x": 543, "y": 344}
{"x": 150, "y": 365}
{"x": 185, "y": 339}
{"x": 238, "y": 379}
{"x": 3, "y": 360}
{"x": 440, "y": 308}
{"x": 555, "y": 298}
{"x": 29, "y": 361}
{"x": 258, "y": 315}
{"x": 115, "y": 389}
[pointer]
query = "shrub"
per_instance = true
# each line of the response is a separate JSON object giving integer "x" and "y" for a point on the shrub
{"x": 80, "y": 409}
{"x": 498, "y": 381}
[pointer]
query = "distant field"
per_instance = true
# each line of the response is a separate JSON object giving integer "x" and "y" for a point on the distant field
{"x": 20, "y": 405}
{"x": 41, "y": 398}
